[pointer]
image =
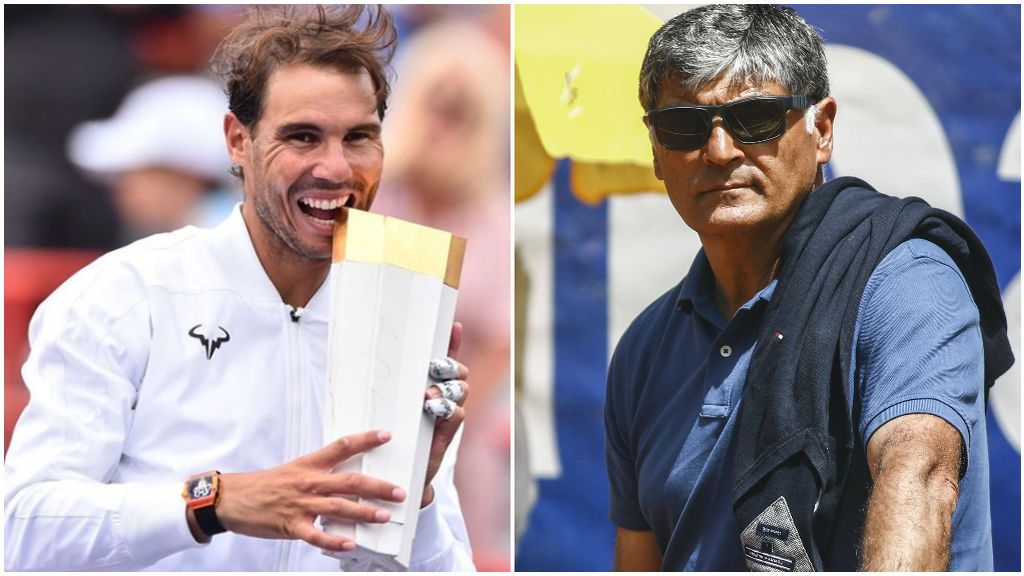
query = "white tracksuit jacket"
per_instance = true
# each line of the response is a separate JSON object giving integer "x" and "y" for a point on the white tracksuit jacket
{"x": 126, "y": 403}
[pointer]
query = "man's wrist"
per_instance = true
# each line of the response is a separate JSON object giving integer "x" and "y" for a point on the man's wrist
{"x": 202, "y": 494}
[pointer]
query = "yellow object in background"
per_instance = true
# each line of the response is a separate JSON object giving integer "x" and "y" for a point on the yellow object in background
{"x": 577, "y": 69}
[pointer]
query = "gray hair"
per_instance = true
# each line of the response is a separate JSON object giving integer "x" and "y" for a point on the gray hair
{"x": 745, "y": 44}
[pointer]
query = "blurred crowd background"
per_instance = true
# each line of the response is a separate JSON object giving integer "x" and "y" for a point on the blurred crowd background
{"x": 113, "y": 132}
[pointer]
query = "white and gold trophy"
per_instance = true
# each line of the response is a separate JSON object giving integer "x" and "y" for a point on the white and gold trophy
{"x": 393, "y": 289}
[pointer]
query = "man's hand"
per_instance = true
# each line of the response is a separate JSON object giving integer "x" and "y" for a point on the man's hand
{"x": 453, "y": 379}
{"x": 283, "y": 502}
{"x": 914, "y": 461}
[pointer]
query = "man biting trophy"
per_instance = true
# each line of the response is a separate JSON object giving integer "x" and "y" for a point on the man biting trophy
{"x": 143, "y": 447}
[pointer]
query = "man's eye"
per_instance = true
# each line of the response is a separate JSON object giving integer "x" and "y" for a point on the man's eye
{"x": 356, "y": 136}
{"x": 303, "y": 137}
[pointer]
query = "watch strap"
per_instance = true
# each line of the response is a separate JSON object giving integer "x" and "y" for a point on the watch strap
{"x": 206, "y": 519}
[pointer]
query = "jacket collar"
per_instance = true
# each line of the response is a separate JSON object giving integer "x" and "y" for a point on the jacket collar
{"x": 245, "y": 273}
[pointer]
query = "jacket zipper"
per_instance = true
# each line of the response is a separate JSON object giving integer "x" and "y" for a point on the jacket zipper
{"x": 294, "y": 314}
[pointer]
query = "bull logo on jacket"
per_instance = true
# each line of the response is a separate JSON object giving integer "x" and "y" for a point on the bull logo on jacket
{"x": 209, "y": 344}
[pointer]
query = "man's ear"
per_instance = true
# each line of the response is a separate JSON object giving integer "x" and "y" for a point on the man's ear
{"x": 238, "y": 140}
{"x": 823, "y": 123}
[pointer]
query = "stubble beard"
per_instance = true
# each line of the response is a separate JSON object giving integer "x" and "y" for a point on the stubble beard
{"x": 285, "y": 240}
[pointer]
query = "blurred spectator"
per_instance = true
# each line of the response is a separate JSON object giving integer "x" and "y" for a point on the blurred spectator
{"x": 63, "y": 64}
{"x": 67, "y": 64}
{"x": 410, "y": 18}
{"x": 446, "y": 137}
{"x": 162, "y": 155}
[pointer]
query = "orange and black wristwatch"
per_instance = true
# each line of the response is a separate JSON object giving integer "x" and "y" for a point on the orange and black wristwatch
{"x": 201, "y": 493}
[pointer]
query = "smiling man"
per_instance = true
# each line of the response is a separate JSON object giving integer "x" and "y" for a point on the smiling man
{"x": 315, "y": 148}
{"x": 177, "y": 384}
{"x": 829, "y": 351}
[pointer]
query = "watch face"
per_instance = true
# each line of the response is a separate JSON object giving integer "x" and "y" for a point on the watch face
{"x": 200, "y": 487}
{"x": 201, "y": 490}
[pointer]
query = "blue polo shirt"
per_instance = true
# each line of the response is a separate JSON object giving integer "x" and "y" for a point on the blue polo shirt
{"x": 676, "y": 380}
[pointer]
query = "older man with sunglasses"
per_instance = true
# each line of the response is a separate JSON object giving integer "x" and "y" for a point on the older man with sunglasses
{"x": 812, "y": 394}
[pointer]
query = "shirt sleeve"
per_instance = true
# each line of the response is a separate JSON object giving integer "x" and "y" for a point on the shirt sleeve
{"x": 624, "y": 509}
{"x": 89, "y": 346}
{"x": 441, "y": 543}
{"x": 918, "y": 345}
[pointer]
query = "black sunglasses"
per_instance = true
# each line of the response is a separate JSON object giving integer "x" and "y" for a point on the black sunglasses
{"x": 750, "y": 121}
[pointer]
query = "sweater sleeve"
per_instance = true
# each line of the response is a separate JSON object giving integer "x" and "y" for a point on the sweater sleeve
{"x": 89, "y": 346}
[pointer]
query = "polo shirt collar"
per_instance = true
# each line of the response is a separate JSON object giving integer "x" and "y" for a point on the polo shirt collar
{"x": 697, "y": 292}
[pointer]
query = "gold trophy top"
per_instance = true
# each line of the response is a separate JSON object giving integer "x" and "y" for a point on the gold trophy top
{"x": 377, "y": 239}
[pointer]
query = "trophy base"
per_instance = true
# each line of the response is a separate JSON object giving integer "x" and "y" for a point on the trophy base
{"x": 366, "y": 560}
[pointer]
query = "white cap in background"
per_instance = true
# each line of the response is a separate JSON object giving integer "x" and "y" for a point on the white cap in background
{"x": 174, "y": 122}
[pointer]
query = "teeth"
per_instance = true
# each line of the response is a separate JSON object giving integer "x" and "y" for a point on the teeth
{"x": 325, "y": 204}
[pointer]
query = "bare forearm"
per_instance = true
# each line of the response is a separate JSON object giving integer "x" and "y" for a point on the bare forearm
{"x": 636, "y": 551}
{"x": 915, "y": 462}
{"x": 908, "y": 524}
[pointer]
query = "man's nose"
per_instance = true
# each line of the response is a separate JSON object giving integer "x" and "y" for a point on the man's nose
{"x": 722, "y": 147}
{"x": 332, "y": 163}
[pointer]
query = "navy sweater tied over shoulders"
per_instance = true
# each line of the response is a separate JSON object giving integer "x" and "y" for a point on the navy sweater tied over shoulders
{"x": 796, "y": 440}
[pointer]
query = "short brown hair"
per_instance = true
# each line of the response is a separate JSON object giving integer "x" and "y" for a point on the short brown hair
{"x": 350, "y": 38}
